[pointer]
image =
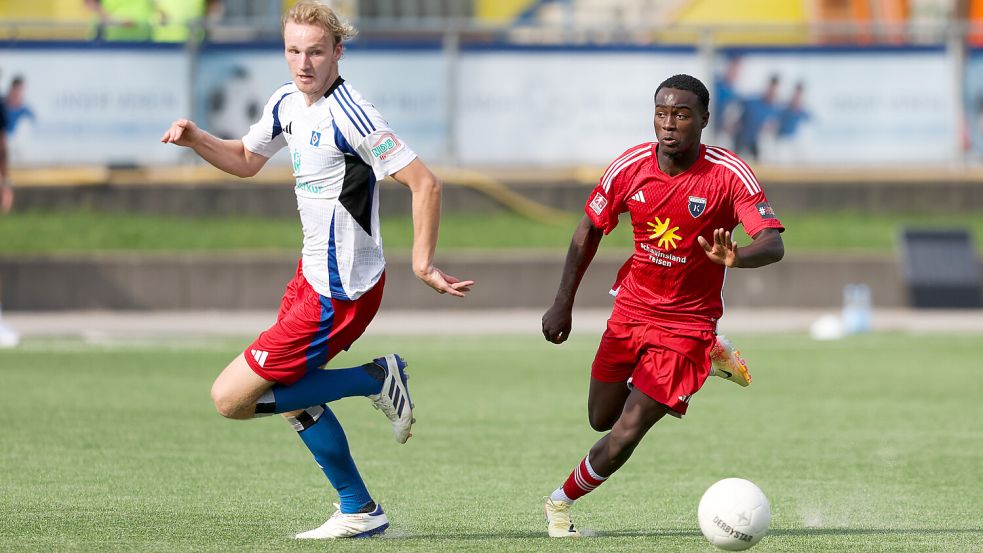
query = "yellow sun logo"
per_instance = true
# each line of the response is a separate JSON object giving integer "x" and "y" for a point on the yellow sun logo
{"x": 667, "y": 236}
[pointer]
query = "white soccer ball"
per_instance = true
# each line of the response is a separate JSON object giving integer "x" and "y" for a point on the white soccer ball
{"x": 734, "y": 514}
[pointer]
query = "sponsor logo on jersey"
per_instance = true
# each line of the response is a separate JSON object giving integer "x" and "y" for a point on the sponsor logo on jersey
{"x": 315, "y": 138}
{"x": 295, "y": 159}
{"x": 697, "y": 206}
{"x": 667, "y": 236}
{"x": 639, "y": 197}
{"x": 686, "y": 398}
{"x": 598, "y": 203}
{"x": 289, "y": 128}
{"x": 765, "y": 210}
{"x": 386, "y": 145}
{"x": 308, "y": 187}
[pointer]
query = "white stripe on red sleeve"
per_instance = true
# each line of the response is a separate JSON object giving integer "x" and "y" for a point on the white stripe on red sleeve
{"x": 736, "y": 166}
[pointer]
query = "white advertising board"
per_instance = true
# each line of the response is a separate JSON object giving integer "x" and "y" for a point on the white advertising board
{"x": 862, "y": 108}
{"x": 408, "y": 87}
{"x": 511, "y": 106}
{"x": 973, "y": 99}
{"x": 559, "y": 108}
{"x": 95, "y": 106}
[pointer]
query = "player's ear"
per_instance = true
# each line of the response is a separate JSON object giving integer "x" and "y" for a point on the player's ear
{"x": 706, "y": 120}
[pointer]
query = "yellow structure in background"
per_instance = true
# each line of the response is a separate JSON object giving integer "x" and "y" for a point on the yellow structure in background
{"x": 500, "y": 10}
{"x": 45, "y": 10}
{"x": 72, "y": 17}
{"x": 783, "y": 14}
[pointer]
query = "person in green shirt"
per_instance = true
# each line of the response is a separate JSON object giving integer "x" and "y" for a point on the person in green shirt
{"x": 123, "y": 20}
{"x": 178, "y": 16}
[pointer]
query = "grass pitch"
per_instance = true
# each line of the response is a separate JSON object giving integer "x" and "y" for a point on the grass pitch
{"x": 868, "y": 444}
{"x": 84, "y": 231}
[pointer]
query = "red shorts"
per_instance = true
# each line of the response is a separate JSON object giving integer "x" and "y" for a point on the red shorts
{"x": 669, "y": 365}
{"x": 309, "y": 330}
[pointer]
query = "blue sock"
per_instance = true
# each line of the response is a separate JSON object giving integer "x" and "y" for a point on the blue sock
{"x": 324, "y": 386}
{"x": 322, "y": 434}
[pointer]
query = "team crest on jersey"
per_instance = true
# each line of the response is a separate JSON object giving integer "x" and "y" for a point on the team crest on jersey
{"x": 598, "y": 203}
{"x": 385, "y": 146}
{"x": 697, "y": 206}
{"x": 315, "y": 138}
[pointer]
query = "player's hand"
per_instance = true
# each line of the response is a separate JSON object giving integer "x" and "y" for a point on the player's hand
{"x": 557, "y": 322}
{"x": 444, "y": 283}
{"x": 723, "y": 250}
{"x": 182, "y": 132}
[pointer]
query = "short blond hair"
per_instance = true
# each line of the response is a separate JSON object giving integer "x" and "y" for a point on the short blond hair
{"x": 312, "y": 12}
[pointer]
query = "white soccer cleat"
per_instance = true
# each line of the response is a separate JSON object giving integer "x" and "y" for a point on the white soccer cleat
{"x": 394, "y": 399}
{"x": 357, "y": 525}
{"x": 727, "y": 363}
{"x": 558, "y": 522}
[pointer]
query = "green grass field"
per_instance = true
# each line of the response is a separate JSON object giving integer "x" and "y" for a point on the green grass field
{"x": 869, "y": 444}
{"x": 81, "y": 231}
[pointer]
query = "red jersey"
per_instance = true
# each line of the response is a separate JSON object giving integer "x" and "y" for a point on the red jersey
{"x": 669, "y": 278}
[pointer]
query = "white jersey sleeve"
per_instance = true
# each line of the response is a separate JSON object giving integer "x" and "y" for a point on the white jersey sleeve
{"x": 265, "y": 137}
{"x": 368, "y": 134}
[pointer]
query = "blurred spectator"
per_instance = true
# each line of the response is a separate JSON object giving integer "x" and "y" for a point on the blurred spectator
{"x": 726, "y": 106}
{"x": 128, "y": 20}
{"x": 17, "y": 110}
{"x": 788, "y": 123}
{"x": 177, "y": 18}
{"x": 756, "y": 113}
{"x": 792, "y": 115}
{"x": 8, "y": 338}
{"x": 6, "y": 189}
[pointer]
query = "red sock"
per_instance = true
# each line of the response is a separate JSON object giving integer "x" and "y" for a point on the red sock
{"x": 582, "y": 481}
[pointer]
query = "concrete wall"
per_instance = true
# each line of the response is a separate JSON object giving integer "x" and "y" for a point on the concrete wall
{"x": 514, "y": 280}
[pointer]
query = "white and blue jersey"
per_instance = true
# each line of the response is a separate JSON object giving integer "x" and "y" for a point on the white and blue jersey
{"x": 340, "y": 146}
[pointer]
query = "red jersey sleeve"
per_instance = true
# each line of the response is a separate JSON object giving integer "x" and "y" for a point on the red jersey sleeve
{"x": 751, "y": 207}
{"x": 607, "y": 201}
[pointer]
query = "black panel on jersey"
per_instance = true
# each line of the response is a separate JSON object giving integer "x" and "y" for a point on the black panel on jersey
{"x": 337, "y": 82}
{"x": 356, "y": 191}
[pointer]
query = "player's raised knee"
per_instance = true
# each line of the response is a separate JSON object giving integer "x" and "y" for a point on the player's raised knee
{"x": 601, "y": 422}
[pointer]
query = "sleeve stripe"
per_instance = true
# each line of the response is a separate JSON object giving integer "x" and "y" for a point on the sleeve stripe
{"x": 276, "y": 117}
{"x": 741, "y": 164}
{"x": 341, "y": 103}
{"x": 735, "y": 164}
{"x": 607, "y": 181}
{"x": 348, "y": 94}
{"x": 730, "y": 166}
{"x": 619, "y": 160}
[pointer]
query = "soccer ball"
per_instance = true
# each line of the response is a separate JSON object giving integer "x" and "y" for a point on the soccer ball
{"x": 734, "y": 514}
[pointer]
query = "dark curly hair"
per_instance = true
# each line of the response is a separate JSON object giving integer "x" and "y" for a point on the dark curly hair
{"x": 690, "y": 83}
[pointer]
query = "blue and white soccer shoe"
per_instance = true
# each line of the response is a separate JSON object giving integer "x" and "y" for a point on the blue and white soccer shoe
{"x": 394, "y": 399}
{"x": 356, "y": 525}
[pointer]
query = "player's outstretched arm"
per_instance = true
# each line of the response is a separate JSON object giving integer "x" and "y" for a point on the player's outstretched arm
{"x": 230, "y": 156}
{"x": 426, "y": 191}
{"x": 765, "y": 248}
{"x": 558, "y": 319}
